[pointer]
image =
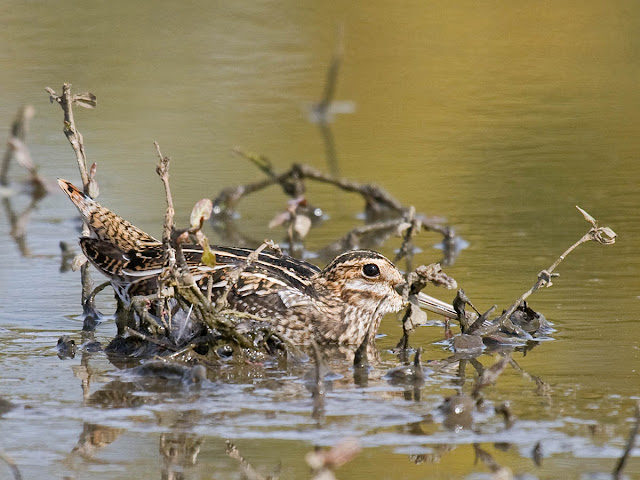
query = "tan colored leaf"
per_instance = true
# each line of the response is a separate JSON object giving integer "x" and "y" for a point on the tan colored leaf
{"x": 588, "y": 217}
{"x": 201, "y": 212}
{"x": 302, "y": 225}
{"x": 605, "y": 236}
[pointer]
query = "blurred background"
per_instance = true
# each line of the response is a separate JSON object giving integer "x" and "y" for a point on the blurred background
{"x": 496, "y": 117}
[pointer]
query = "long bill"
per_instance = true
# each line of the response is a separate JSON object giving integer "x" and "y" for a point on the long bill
{"x": 436, "y": 306}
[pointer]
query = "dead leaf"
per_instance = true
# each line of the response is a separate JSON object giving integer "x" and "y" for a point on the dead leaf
{"x": 588, "y": 217}
{"x": 302, "y": 225}
{"x": 201, "y": 212}
{"x": 605, "y": 236}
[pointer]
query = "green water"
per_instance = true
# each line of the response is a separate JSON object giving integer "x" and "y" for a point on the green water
{"x": 497, "y": 117}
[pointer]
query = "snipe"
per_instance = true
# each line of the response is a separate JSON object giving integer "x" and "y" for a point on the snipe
{"x": 338, "y": 304}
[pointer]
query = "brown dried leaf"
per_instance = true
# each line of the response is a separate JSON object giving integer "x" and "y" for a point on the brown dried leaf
{"x": 85, "y": 100}
{"x": 201, "y": 212}
{"x": 434, "y": 274}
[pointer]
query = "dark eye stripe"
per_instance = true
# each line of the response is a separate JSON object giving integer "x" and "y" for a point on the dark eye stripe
{"x": 371, "y": 270}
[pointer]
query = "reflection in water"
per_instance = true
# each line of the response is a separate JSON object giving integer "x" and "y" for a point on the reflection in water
{"x": 19, "y": 223}
{"x": 93, "y": 438}
{"x": 179, "y": 452}
{"x": 322, "y": 112}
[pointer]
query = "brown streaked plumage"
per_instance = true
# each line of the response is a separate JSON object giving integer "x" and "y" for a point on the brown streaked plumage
{"x": 338, "y": 304}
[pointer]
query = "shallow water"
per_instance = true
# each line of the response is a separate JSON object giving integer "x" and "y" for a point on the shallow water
{"x": 497, "y": 118}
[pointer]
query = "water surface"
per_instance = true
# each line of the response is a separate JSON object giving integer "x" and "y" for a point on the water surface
{"x": 497, "y": 118}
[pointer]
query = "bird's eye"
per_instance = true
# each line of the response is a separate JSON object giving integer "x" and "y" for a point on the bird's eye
{"x": 371, "y": 270}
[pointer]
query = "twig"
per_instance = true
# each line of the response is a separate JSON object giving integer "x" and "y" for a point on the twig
{"x": 411, "y": 231}
{"x": 149, "y": 339}
{"x": 353, "y": 238}
{"x": 373, "y": 195}
{"x": 66, "y": 101}
{"x": 617, "y": 472}
{"x": 602, "y": 235}
{"x": 233, "y": 277}
{"x": 162, "y": 170}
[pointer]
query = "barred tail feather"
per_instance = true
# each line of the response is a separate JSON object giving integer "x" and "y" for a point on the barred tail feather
{"x": 106, "y": 225}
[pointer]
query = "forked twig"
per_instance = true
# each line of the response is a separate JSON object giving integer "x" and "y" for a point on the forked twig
{"x": 66, "y": 101}
{"x": 602, "y": 235}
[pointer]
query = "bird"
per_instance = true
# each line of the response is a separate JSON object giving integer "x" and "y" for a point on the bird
{"x": 339, "y": 304}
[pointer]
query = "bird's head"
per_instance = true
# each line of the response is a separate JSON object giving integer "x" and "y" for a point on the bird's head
{"x": 365, "y": 280}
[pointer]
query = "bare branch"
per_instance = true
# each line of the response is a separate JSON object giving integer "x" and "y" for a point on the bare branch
{"x": 602, "y": 235}
{"x": 66, "y": 101}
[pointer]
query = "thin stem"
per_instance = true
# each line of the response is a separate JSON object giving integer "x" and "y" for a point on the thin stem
{"x": 545, "y": 276}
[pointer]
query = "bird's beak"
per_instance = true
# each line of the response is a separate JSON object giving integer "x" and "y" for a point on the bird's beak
{"x": 436, "y": 306}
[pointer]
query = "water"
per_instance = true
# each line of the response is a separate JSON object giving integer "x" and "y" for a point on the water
{"x": 498, "y": 118}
